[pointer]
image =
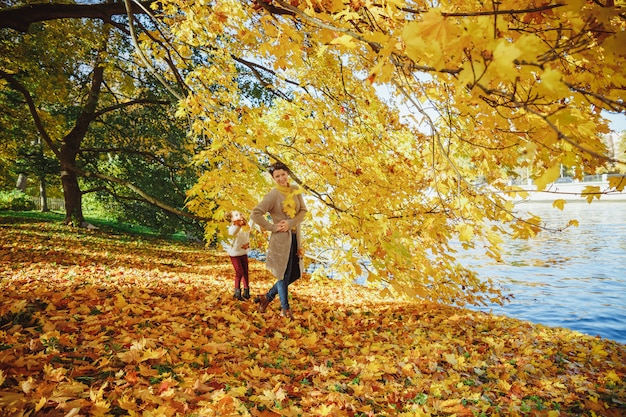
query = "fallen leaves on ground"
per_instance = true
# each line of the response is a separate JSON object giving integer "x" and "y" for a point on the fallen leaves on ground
{"x": 96, "y": 324}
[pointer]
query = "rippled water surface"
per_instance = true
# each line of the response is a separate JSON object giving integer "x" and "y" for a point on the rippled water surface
{"x": 575, "y": 278}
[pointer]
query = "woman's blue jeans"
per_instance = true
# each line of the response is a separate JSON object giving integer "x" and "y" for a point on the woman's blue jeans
{"x": 292, "y": 273}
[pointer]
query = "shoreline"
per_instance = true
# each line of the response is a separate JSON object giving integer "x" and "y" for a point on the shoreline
{"x": 570, "y": 192}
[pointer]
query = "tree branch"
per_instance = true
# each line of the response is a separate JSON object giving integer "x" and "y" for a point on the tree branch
{"x": 145, "y": 196}
{"x": 147, "y": 155}
{"x": 316, "y": 193}
{"x": 129, "y": 103}
{"x": 20, "y": 18}
{"x": 13, "y": 82}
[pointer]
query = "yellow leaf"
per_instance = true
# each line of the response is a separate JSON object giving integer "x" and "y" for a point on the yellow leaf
{"x": 28, "y": 385}
{"x": 130, "y": 356}
{"x": 239, "y": 391}
{"x": 466, "y": 232}
{"x": 374, "y": 367}
{"x": 324, "y": 410}
{"x": 120, "y": 302}
{"x": 450, "y": 358}
{"x": 267, "y": 398}
{"x": 280, "y": 393}
{"x": 428, "y": 37}
{"x": 560, "y": 204}
{"x": 345, "y": 40}
{"x": 349, "y": 362}
{"x": 551, "y": 82}
{"x": 598, "y": 350}
{"x": 505, "y": 386}
{"x": 310, "y": 340}
{"x": 550, "y": 175}
{"x": 504, "y": 55}
{"x": 152, "y": 354}
{"x": 612, "y": 377}
{"x": 613, "y": 44}
{"x": 590, "y": 192}
{"x": 42, "y": 401}
{"x": 437, "y": 27}
{"x": 447, "y": 406}
{"x": 54, "y": 374}
{"x": 414, "y": 44}
{"x": 386, "y": 293}
{"x": 334, "y": 6}
{"x": 617, "y": 182}
{"x": 257, "y": 372}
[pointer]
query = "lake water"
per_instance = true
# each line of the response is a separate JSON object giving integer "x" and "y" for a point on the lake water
{"x": 575, "y": 278}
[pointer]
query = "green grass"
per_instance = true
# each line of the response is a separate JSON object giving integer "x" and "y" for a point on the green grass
{"x": 106, "y": 225}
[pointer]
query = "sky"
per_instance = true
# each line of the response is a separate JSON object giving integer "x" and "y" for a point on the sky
{"x": 618, "y": 121}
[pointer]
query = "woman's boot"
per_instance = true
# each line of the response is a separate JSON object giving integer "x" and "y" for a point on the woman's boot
{"x": 246, "y": 293}
{"x": 263, "y": 303}
{"x": 237, "y": 295}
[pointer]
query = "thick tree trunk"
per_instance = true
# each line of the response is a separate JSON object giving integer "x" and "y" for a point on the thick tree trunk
{"x": 71, "y": 189}
{"x": 43, "y": 196}
{"x": 21, "y": 182}
{"x": 72, "y": 141}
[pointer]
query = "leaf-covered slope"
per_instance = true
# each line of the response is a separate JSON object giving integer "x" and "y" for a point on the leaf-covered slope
{"x": 99, "y": 324}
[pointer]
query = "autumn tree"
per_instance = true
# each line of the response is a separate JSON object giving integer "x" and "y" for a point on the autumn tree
{"x": 393, "y": 117}
{"x": 390, "y": 113}
{"x": 74, "y": 102}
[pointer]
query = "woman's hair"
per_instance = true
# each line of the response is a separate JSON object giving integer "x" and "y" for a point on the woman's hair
{"x": 276, "y": 166}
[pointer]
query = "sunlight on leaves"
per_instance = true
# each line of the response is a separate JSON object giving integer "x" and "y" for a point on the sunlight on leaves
{"x": 188, "y": 348}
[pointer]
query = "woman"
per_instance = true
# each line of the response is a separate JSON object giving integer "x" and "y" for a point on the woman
{"x": 286, "y": 207}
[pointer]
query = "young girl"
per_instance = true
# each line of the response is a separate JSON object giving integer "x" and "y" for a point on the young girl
{"x": 237, "y": 248}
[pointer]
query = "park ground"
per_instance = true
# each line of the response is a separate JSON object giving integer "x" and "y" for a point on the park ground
{"x": 105, "y": 323}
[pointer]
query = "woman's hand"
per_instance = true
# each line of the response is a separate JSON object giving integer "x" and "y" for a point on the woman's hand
{"x": 282, "y": 226}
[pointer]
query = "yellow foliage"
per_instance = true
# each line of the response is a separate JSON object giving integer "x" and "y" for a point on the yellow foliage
{"x": 391, "y": 115}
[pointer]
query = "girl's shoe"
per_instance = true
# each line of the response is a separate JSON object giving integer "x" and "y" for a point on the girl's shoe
{"x": 286, "y": 313}
{"x": 246, "y": 293}
{"x": 237, "y": 295}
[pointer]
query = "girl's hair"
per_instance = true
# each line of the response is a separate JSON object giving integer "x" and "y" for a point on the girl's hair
{"x": 276, "y": 166}
{"x": 235, "y": 213}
